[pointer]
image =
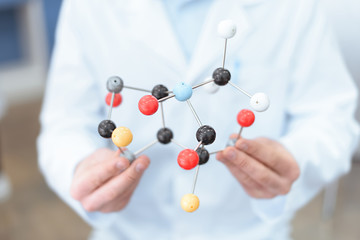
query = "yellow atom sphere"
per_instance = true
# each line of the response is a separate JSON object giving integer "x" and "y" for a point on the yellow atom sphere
{"x": 190, "y": 202}
{"x": 122, "y": 136}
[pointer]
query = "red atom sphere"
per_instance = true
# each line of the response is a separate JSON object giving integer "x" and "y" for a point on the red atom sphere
{"x": 148, "y": 105}
{"x": 188, "y": 159}
{"x": 117, "y": 99}
{"x": 245, "y": 118}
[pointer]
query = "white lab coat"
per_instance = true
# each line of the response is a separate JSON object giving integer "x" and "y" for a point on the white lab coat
{"x": 283, "y": 48}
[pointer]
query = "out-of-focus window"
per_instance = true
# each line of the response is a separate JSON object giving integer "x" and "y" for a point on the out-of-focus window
{"x": 10, "y": 36}
{"x": 51, "y": 13}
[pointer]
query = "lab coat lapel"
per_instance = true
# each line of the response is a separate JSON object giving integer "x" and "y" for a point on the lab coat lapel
{"x": 153, "y": 29}
{"x": 210, "y": 47}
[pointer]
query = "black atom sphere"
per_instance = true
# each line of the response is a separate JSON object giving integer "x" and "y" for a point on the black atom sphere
{"x": 164, "y": 135}
{"x": 221, "y": 76}
{"x": 206, "y": 135}
{"x": 105, "y": 128}
{"x": 203, "y": 155}
{"x": 160, "y": 91}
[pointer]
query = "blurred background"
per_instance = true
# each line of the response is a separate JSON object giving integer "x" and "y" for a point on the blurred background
{"x": 29, "y": 210}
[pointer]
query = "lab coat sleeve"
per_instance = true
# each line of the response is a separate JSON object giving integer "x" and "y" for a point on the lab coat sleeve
{"x": 321, "y": 133}
{"x": 70, "y": 115}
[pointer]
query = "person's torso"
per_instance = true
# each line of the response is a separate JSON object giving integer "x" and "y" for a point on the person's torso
{"x": 136, "y": 43}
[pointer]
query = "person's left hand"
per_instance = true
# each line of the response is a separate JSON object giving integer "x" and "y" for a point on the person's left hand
{"x": 262, "y": 166}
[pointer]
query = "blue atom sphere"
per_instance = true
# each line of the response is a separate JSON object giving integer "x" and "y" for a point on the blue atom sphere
{"x": 182, "y": 91}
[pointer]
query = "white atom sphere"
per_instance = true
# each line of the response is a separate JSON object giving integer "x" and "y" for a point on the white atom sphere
{"x": 211, "y": 87}
{"x": 260, "y": 102}
{"x": 226, "y": 28}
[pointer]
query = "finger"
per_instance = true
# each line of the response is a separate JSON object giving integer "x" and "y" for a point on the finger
{"x": 116, "y": 186}
{"x": 238, "y": 173}
{"x": 266, "y": 152}
{"x": 133, "y": 174}
{"x": 114, "y": 206}
{"x": 234, "y": 135}
{"x": 251, "y": 187}
{"x": 96, "y": 175}
{"x": 241, "y": 176}
{"x": 257, "y": 192}
{"x": 261, "y": 174}
{"x": 118, "y": 203}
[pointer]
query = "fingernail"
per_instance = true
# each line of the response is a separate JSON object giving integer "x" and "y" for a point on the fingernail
{"x": 140, "y": 167}
{"x": 230, "y": 154}
{"x": 121, "y": 165}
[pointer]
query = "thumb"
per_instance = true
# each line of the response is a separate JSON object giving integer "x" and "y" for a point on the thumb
{"x": 227, "y": 156}
{"x": 88, "y": 181}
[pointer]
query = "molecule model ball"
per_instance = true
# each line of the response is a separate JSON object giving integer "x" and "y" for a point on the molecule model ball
{"x": 122, "y": 137}
{"x": 245, "y": 118}
{"x": 190, "y": 202}
{"x": 206, "y": 135}
{"x": 226, "y": 29}
{"x": 114, "y": 84}
{"x": 160, "y": 91}
{"x": 106, "y": 128}
{"x": 211, "y": 87}
{"x": 182, "y": 91}
{"x": 221, "y": 76}
{"x": 164, "y": 135}
{"x": 148, "y": 105}
{"x": 117, "y": 99}
{"x": 188, "y": 159}
{"x": 260, "y": 102}
{"x": 203, "y": 155}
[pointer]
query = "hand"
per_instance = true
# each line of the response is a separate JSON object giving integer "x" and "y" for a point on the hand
{"x": 262, "y": 166}
{"x": 105, "y": 182}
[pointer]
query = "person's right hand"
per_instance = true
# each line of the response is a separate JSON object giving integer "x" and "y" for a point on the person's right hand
{"x": 105, "y": 182}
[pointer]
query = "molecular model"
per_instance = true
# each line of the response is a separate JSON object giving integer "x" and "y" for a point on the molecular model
{"x": 205, "y": 135}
